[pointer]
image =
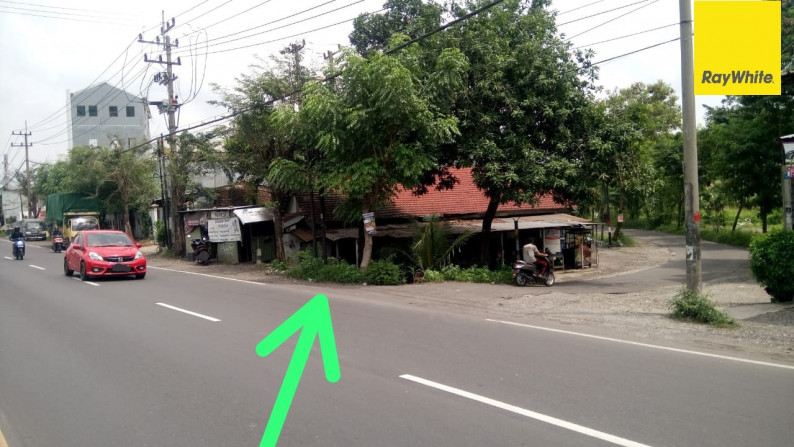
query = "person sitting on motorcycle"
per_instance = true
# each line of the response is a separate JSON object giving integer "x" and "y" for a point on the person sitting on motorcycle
{"x": 16, "y": 234}
{"x": 535, "y": 256}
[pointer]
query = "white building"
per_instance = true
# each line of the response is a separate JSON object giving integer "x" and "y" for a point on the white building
{"x": 106, "y": 116}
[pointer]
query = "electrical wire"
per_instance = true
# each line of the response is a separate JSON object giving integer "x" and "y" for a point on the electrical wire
{"x": 600, "y": 13}
{"x": 623, "y": 37}
{"x": 57, "y": 15}
{"x": 205, "y": 28}
{"x": 578, "y": 8}
{"x": 613, "y": 19}
{"x": 280, "y": 27}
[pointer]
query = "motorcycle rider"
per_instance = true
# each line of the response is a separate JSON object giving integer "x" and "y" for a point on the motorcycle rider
{"x": 56, "y": 232}
{"x": 535, "y": 256}
{"x": 16, "y": 234}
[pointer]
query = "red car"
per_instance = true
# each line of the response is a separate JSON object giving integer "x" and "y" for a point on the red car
{"x": 104, "y": 253}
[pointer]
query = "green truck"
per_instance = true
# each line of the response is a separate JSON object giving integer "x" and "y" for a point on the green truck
{"x": 72, "y": 213}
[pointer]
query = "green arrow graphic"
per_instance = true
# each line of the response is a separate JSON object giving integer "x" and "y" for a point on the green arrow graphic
{"x": 313, "y": 319}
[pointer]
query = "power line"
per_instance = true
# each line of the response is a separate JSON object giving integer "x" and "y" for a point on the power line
{"x": 623, "y": 37}
{"x": 280, "y": 27}
{"x": 56, "y": 15}
{"x": 636, "y": 51}
{"x": 578, "y": 8}
{"x": 613, "y": 19}
{"x": 69, "y": 9}
{"x": 600, "y": 13}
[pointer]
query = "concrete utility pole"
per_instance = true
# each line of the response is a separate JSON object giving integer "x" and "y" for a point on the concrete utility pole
{"x": 169, "y": 106}
{"x": 27, "y": 167}
{"x": 787, "y": 171}
{"x": 689, "y": 130}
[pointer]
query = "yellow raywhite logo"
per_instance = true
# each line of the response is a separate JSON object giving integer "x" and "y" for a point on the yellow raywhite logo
{"x": 737, "y": 47}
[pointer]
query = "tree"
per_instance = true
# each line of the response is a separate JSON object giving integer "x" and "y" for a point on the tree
{"x": 253, "y": 142}
{"x": 128, "y": 176}
{"x": 637, "y": 120}
{"x": 412, "y": 18}
{"x": 523, "y": 115}
{"x": 379, "y": 126}
{"x": 746, "y": 153}
{"x": 193, "y": 156}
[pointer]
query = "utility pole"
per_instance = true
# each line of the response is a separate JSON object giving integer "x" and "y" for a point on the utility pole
{"x": 27, "y": 167}
{"x": 689, "y": 131}
{"x": 169, "y": 106}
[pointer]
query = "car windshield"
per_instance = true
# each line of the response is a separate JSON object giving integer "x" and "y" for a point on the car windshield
{"x": 107, "y": 240}
{"x": 35, "y": 225}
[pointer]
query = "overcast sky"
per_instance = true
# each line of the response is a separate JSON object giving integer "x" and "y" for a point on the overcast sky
{"x": 51, "y": 47}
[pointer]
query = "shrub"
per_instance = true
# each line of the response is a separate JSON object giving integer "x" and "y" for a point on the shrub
{"x": 692, "y": 306}
{"x": 159, "y": 233}
{"x": 308, "y": 266}
{"x": 384, "y": 273}
{"x": 433, "y": 276}
{"x": 339, "y": 271}
{"x": 772, "y": 263}
{"x": 476, "y": 274}
{"x": 278, "y": 265}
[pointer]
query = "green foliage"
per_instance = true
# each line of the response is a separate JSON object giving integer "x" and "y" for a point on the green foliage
{"x": 433, "y": 276}
{"x": 159, "y": 233}
{"x": 383, "y": 272}
{"x": 772, "y": 263}
{"x": 312, "y": 268}
{"x": 433, "y": 243}
{"x": 692, "y": 306}
{"x": 278, "y": 266}
{"x": 476, "y": 274}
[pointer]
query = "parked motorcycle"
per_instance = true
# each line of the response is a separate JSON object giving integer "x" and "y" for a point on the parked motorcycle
{"x": 524, "y": 273}
{"x": 57, "y": 244}
{"x": 201, "y": 250}
{"x": 18, "y": 248}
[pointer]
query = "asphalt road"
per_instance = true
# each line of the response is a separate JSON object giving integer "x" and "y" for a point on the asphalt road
{"x": 102, "y": 364}
{"x": 718, "y": 262}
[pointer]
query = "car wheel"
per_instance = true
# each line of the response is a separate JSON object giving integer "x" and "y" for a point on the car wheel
{"x": 66, "y": 270}
{"x": 83, "y": 275}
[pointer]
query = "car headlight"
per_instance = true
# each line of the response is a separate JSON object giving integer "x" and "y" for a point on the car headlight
{"x": 95, "y": 256}
{"x": 138, "y": 255}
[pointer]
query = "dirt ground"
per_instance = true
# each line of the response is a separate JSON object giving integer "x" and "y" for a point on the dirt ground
{"x": 766, "y": 330}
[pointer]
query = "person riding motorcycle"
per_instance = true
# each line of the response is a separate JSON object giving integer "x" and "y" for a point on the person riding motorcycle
{"x": 535, "y": 256}
{"x": 57, "y": 233}
{"x": 16, "y": 234}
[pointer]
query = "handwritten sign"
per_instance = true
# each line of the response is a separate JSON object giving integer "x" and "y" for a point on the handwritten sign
{"x": 224, "y": 230}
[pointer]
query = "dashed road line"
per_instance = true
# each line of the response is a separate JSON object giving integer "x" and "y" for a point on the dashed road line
{"x": 528, "y": 413}
{"x": 206, "y": 317}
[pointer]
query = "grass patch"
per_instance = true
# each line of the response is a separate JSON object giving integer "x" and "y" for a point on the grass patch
{"x": 692, "y": 306}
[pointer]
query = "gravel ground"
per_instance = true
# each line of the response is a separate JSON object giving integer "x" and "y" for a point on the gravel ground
{"x": 766, "y": 330}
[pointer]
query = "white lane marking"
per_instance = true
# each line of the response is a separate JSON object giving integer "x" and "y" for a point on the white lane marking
{"x": 206, "y": 275}
{"x": 37, "y": 267}
{"x": 528, "y": 413}
{"x": 214, "y": 320}
{"x": 11, "y": 259}
{"x": 85, "y": 282}
{"x": 646, "y": 345}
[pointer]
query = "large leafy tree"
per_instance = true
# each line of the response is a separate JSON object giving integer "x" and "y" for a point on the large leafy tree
{"x": 252, "y": 141}
{"x": 637, "y": 120}
{"x": 379, "y": 125}
{"x": 745, "y": 151}
{"x": 523, "y": 115}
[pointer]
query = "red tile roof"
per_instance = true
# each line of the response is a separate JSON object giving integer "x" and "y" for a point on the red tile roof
{"x": 465, "y": 199}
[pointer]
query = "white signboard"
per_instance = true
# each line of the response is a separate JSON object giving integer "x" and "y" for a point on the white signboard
{"x": 224, "y": 230}
{"x": 249, "y": 215}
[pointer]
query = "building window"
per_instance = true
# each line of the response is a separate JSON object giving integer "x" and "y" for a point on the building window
{"x": 114, "y": 110}
{"x": 92, "y": 111}
{"x": 80, "y": 110}
{"x": 92, "y": 142}
{"x": 130, "y": 111}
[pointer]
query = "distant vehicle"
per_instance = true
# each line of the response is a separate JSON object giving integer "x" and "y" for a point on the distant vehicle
{"x": 96, "y": 253}
{"x": 34, "y": 229}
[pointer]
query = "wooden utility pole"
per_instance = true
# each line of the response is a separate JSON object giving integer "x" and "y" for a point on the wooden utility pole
{"x": 27, "y": 188}
{"x": 169, "y": 106}
{"x": 689, "y": 131}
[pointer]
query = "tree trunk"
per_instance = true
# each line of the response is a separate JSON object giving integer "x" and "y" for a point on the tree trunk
{"x": 619, "y": 225}
{"x": 487, "y": 220}
{"x": 177, "y": 198}
{"x": 366, "y": 254}
{"x": 278, "y": 226}
{"x": 763, "y": 221}
{"x": 127, "y": 226}
{"x": 736, "y": 219}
